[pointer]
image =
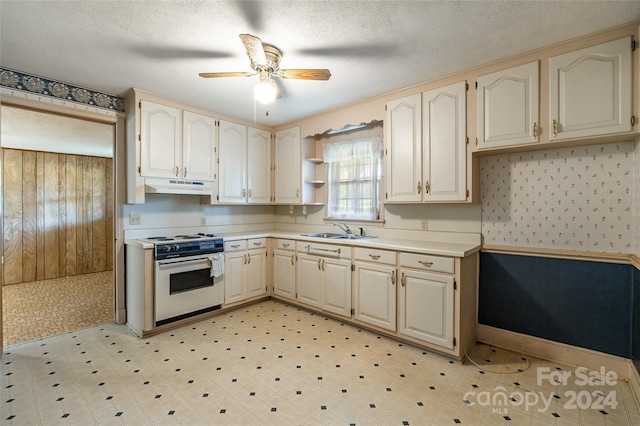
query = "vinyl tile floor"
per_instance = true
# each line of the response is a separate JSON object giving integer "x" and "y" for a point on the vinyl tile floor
{"x": 275, "y": 364}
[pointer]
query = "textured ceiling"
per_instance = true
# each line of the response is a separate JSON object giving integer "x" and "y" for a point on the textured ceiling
{"x": 371, "y": 47}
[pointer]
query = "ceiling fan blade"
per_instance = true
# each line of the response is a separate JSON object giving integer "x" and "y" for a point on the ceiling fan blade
{"x": 305, "y": 74}
{"x": 225, "y": 74}
{"x": 255, "y": 50}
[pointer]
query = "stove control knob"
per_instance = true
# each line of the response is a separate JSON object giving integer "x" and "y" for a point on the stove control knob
{"x": 176, "y": 247}
{"x": 166, "y": 249}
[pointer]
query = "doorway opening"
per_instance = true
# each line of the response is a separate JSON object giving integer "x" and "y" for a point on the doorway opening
{"x": 57, "y": 223}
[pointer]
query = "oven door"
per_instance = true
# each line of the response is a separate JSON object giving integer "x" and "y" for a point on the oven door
{"x": 184, "y": 286}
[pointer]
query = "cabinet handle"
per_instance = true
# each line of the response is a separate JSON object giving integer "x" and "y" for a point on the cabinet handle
{"x": 184, "y": 173}
{"x": 244, "y": 258}
{"x": 285, "y": 244}
{"x": 249, "y": 192}
{"x": 419, "y": 187}
{"x": 554, "y": 124}
{"x": 319, "y": 261}
{"x": 393, "y": 277}
{"x": 425, "y": 263}
{"x": 257, "y": 243}
{"x": 235, "y": 245}
{"x": 292, "y": 256}
{"x": 534, "y": 130}
{"x": 248, "y": 258}
{"x": 427, "y": 187}
{"x": 403, "y": 279}
{"x": 177, "y": 171}
{"x": 323, "y": 264}
{"x": 374, "y": 256}
{"x": 297, "y": 193}
{"x": 244, "y": 192}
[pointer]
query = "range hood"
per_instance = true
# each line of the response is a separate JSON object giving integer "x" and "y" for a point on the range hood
{"x": 176, "y": 186}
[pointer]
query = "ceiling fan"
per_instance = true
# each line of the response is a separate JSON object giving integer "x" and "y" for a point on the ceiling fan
{"x": 265, "y": 61}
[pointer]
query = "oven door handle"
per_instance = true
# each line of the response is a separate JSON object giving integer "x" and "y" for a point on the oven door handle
{"x": 161, "y": 263}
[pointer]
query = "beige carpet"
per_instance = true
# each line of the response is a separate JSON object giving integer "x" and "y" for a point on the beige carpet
{"x": 44, "y": 308}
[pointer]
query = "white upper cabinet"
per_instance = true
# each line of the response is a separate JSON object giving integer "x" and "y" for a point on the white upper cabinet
{"x": 444, "y": 149}
{"x": 259, "y": 166}
{"x": 590, "y": 91}
{"x": 426, "y": 146}
{"x": 233, "y": 163}
{"x": 245, "y": 164}
{"x": 508, "y": 106}
{"x": 403, "y": 134}
{"x": 288, "y": 179}
{"x": 161, "y": 140}
{"x": 176, "y": 143}
{"x": 199, "y": 136}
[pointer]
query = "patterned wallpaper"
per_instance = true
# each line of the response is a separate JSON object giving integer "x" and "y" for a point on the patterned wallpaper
{"x": 571, "y": 198}
{"x": 636, "y": 200}
{"x": 18, "y": 80}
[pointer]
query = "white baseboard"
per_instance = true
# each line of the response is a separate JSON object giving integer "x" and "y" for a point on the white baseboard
{"x": 562, "y": 353}
{"x": 555, "y": 351}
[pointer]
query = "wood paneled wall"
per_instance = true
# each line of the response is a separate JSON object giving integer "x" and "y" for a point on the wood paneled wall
{"x": 58, "y": 215}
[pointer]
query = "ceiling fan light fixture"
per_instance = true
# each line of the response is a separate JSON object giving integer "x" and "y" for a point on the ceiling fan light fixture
{"x": 265, "y": 91}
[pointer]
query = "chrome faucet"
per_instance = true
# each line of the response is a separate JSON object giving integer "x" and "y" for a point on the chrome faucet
{"x": 344, "y": 227}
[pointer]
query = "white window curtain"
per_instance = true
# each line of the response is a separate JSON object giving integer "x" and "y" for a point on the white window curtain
{"x": 354, "y": 178}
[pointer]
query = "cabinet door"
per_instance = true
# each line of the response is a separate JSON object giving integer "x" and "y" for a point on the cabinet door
{"x": 161, "y": 140}
{"x": 288, "y": 172}
{"x": 444, "y": 168}
{"x": 258, "y": 166}
{"x": 427, "y": 307}
{"x": 337, "y": 286}
{"x": 508, "y": 106}
{"x": 590, "y": 91}
{"x": 233, "y": 163}
{"x": 234, "y": 277}
{"x": 375, "y": 295}
{"x": 403, "y": 134}
{"x": 198, "y": 147}
{"x": 256, "y": 273}
{"x": 309, "y": 280}
{"x": 284, "y": 274}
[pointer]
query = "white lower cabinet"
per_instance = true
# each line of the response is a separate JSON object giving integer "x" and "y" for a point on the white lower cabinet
{"x": 426, "y": 308}
{"x": 325, "y": 282}
{"x": 309, "y": 274}
{"x": 284, "y": 269}
{"x": 375, "y": 294}
{"x": 245, "y": 270}
{"x": 337, "y": 286}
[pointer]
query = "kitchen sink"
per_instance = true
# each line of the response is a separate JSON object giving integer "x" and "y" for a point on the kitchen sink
{"x": 336, "y": 236}
{"x": 349, "y": 237}
{"x": 322, "y": 235}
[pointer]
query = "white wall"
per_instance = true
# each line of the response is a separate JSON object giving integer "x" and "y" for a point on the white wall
{"x": 164, "y": 214}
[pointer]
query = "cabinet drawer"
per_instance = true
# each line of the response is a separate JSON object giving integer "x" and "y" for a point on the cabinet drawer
{"x": 324, "y": 250}
{"x": 286, "y": 245}
{"x": 256, "y": 243}
{"x": 235, "y": 245}
{"x": 427, "y": 262}
{"x": 376, "y": 256}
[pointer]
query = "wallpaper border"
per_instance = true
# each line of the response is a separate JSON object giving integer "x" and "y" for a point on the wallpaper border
{"x": 29, "y": 83}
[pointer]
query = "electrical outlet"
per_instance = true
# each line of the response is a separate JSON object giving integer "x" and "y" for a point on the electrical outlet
{"x": 424, "y": 225}
{"x": 134, "y": 219}
{"x": 203, "y": 221}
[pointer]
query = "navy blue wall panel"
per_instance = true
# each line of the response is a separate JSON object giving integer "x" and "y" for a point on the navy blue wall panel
{"x": 636, "y": 318}
{"x": 580, "y": 303}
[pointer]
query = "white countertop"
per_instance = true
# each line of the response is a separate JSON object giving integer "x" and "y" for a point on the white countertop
{"x": 417, "y": 246}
